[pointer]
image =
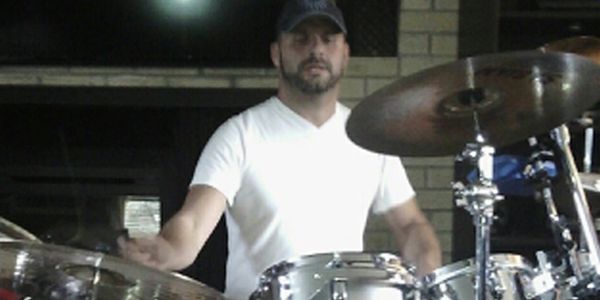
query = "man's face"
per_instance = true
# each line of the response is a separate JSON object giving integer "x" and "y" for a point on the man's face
{"x": 312, "y": 57}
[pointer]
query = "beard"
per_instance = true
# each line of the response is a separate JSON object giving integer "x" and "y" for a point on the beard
{"x": 315, "y": 86}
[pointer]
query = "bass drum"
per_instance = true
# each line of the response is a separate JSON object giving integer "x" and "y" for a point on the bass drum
{"x": 508, "y": 273}
{"x": 346, "y": 275}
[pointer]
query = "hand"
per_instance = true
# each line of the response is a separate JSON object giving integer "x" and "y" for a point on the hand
{"x": 151, "y": 251}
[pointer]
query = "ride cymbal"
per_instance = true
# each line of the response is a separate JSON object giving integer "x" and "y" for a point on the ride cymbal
{"x": 514, "y": 95}
{"x": 587, "y": 46}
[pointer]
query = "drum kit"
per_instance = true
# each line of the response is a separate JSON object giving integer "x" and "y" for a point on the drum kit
{"x": 466, "y": 108}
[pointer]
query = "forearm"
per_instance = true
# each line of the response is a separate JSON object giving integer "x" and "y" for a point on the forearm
{"x": 420, "y": 247}
{"x": 179, "y": 243}
{"x": 187, "y": 231}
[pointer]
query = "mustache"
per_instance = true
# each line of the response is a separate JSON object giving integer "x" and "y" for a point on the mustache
{"x": 314, "y": 60}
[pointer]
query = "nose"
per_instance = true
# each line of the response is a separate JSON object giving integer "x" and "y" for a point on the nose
{"x": 317, "y": 45}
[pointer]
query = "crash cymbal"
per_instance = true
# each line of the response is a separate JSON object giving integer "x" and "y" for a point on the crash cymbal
{"x": 516, "y": 95}
{"x": 590, "y": 181}
{"x": 587, "y": 46}
{"x": 42, "y": 271}
{"x": 12, "y": 231}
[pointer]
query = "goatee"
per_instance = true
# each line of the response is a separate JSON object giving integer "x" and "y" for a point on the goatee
{"x": 315, "y": 87}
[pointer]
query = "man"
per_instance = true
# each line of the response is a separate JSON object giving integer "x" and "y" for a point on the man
{"x": 286, "y": 175}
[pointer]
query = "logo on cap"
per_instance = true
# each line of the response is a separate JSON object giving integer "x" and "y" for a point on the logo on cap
{"x": 315, "y": 4}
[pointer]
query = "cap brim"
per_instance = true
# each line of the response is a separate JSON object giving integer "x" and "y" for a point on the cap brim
{"x": 293, "y": 23}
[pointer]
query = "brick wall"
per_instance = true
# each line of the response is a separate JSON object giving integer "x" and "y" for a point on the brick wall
{"x": 427, "y": 37}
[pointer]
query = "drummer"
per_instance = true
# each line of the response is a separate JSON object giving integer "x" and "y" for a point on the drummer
{"x": 284, "y": 172}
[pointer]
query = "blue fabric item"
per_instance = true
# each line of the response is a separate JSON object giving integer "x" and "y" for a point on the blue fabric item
{"x": 509, "y": 175}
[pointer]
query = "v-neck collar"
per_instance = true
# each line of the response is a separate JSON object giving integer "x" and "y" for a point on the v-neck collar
{"x": 300, "y": 120}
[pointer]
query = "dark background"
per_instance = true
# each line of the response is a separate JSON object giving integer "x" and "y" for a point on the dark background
{"x": 169, "y": 32}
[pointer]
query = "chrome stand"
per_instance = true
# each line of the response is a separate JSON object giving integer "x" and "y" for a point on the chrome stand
{"x": 478, "y": 198}
{"x": 590, "y": 275}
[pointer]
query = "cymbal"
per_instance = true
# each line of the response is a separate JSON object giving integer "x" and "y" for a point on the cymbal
{"x": 514, "y": 95}
{"x": 44, "y": 271}
{"x": 587, "y": 46}
{"x": 590, "y": 181}
{"x": 12, "y": 231}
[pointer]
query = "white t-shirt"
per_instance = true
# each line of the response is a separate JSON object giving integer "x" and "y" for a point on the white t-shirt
{"x": 293, "y": 188}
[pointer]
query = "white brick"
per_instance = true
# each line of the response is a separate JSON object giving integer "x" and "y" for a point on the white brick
{"x": 255, "y": 82}
{"x": 235, "y": 71}
{"x": 378, "y": 241}
{"x": 165, "y": 71}
{"x": 413, "y": 43}
{"x": 437, "y": 199}
{"x": 446, "y": 4}
{"x": 439, "y": 161}
{"x": 428, "y": 21}
{"x": 416, "y": 4}
{"x": 439, "y": 177}
{"x": 416, "y": 177}
{"x": 445, "y": 241}
{"x": 374, "y": 84}
{"x": 137, "y": 80}
{"x": 352, "y": 87}
{"x": 442, "y": 221}
{"x": 34, "y": 70}
{"x": 350, "y": 102}
{"x": 376, "y": 222}
{"x": 73, "y": 80}
{"x": 414, "y": 64}
{"x": 18, "y": 79}
{"x": 372, "y": 66}
{"x": 444, "y": 45}
{"x": 201, "y": 82}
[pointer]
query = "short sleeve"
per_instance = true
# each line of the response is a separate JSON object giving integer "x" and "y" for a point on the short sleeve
{"x": 221, "y": 162}
{"x": 394, "y": 186}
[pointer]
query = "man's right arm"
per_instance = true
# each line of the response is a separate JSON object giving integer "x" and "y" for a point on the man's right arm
{"x": 182, "y": 237}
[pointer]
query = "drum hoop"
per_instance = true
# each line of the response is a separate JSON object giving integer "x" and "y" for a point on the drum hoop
{"x": 466, "y": 266}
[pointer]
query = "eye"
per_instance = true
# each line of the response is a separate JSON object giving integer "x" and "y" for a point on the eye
{"x": 300, "y": 38}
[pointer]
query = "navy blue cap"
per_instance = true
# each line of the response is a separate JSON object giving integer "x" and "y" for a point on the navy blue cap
{"x": 295, "y": 11}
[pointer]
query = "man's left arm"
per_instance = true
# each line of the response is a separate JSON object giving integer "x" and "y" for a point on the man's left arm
{"x": 415, "y": 237}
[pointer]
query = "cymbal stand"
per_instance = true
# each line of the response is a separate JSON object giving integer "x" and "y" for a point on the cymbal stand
{"x": 537, "y": 173}
{"x": 478, "y": 198}
{"x": 589, "y": 240}
{"x": 589, "y": 144}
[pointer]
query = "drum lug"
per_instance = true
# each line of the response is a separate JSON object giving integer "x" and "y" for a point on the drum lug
{"x": 496, "y": 286}
{"x": 338, "y": 289}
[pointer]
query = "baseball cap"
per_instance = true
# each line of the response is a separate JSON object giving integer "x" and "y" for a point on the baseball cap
{"x": 295, "y": 11}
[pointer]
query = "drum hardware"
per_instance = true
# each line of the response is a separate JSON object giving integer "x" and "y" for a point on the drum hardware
{"x": 478, "y": 198}
{"x": 510, "y": 275}
{"x": 589, "y": 145}
{"x": 544, "y": 280}
{"x": 341, "y": 276}
{"x": 588, "y": 278}
{"x": 590, "y": 181}
{"x": 536, "y": 172}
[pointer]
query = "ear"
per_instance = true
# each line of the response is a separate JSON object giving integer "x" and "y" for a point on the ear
{"x": 275, "y": 54}
{"x": 346, "y": 53}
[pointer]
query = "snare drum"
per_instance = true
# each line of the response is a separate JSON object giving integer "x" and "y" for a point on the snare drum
{"x": 346, "y": 275}
{"x": 507, "y": 272}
